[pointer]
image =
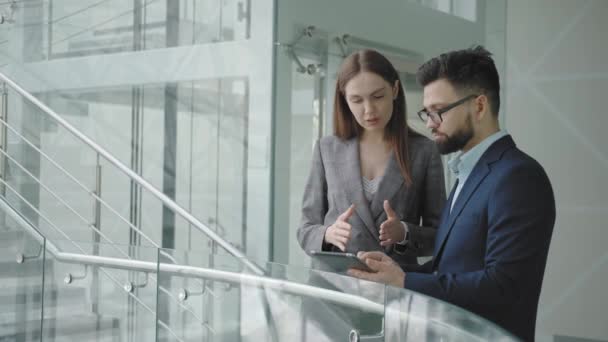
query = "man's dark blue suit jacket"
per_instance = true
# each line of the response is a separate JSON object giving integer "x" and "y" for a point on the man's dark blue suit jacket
{"x": 491, "y": 249}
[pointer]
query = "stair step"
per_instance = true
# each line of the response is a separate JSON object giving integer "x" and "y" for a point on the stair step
{"x": 8, "y": 237}
{"x": 66, "y": 328}
{"x": 10, "y": 294}
{"x": 57, "y": 301}
{"x": 29, "y": 269}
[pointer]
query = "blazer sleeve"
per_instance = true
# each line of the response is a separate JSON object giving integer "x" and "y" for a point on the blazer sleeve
{"x": 421, "y": 238}
{"x": 311, "y": 231}
{"x": 519, "y": 227}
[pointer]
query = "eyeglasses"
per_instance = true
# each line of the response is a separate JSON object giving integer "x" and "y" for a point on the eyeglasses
{"x": 425, "y": 115}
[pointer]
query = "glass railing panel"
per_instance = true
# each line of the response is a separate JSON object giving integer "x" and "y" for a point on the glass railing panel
{"x": 224, "y": 301}
{"x": 37, "y": 181}
{"x": 87, "y": 301}
{"x": 22, "y": 262}
{"x": 320, "y": 318}
{"x": 61, "y": 178}
{"x": 411, "y": 316}
{"x": 215, "y": 155}
{"x": 197, "y": 308}
{"x": 57, "y": 181}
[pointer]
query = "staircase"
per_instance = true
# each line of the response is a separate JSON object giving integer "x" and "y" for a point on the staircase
{"x": 65, "y": 275}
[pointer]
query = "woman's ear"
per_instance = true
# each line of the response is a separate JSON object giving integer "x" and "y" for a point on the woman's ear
{"x": 395, "y": 89}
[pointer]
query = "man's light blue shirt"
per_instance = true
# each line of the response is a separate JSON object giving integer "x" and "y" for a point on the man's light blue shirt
{"x": 463, "y": 163}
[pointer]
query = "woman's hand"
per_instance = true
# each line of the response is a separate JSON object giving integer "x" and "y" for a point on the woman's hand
{"x": 338, "y": 233}
{"x": 391, "y": 230}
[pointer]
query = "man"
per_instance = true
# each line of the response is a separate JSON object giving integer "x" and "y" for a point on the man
{"x": 492, "y": 242}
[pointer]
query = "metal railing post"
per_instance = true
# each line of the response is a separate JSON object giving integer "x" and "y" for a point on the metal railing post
{"x": 166, "y": 200}
{"x": 3, "y": 137}
{"x": 96, "y": 238}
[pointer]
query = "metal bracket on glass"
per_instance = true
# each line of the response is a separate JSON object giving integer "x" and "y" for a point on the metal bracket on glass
{"x": 228, "y": 287}
{"x": 342, "y": 43}
{"x": 9, "y": 15}
{"x": 70, "y": 278}
{"x": 131, "y": 286}
{"x": 346, "y": 42}
{"x": 184, "y": 294}
{"x": 21, "y": 258}
{"x": 355, "y": 336}
{"x": 219, "y": 228}
{"x": 244, "y": 11}
{"x": 308, "y": 31}
{"x": 310, "y": 69}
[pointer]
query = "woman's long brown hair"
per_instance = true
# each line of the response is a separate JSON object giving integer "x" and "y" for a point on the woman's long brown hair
{"x": 396, "y": 130}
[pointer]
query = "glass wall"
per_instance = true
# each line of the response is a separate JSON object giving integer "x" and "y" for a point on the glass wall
{"x": 178, "y": 91}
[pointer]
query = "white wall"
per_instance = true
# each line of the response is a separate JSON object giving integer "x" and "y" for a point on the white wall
{"x": 557, "y": 81}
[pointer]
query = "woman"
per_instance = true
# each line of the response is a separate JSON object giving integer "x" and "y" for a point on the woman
{"x": 375, "y": 184}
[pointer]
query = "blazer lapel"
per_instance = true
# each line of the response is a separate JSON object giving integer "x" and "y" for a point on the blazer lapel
{"x": 351, "y": 183}
{"x": 479, "y": 173}
{"x": 389, "y": 185}
{"x": 442, "y": 231}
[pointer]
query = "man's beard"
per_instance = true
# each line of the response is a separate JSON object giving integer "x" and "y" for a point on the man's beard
{"x": 458, "y": 140}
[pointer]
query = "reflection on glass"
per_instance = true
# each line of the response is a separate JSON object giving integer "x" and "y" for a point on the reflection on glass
{"x": 79, "y": 28}
{"x": 305, "y": 130}
{"x": 311, "y": 317}
{"x": 200, "y": 309}
{"x": 410, "y": 316}
{"x": 22, "y": 261}
{"x": 223, "y": 301}
{"x": 465, "y": 9}
{"x": 213, "y": 157}
{"x": 62, "y": 185}
{"x": 91, "y": 303}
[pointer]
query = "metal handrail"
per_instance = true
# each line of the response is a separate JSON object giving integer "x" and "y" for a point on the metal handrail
{"x": 55, "y": 251}
{"x": 79, "y": 183}
{"x": 169, "y": 203}
{"x": 75, "y": 180}
{"x": 60, "y": 200}
{"x": 286, "y": 286}
{"x": 57, "y": 254}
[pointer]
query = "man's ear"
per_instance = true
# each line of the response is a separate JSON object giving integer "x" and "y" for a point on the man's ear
{"x": 482, "y": 107}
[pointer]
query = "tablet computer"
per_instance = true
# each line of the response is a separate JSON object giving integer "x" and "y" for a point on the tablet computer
{"x": 339, "y": 262}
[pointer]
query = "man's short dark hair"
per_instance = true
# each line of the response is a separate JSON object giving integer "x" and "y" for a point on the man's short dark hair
{"x": 470, "y": 69}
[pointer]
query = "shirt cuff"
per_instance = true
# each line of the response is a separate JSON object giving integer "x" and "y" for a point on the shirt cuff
{"x": 405, "y": 235}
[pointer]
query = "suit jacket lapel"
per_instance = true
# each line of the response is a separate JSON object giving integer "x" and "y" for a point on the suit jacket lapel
{"x": 442, "y": 231}
{"x": 479, "y": 173}
{"x": 389, "y": 185}
{"x": 351, "y": 183}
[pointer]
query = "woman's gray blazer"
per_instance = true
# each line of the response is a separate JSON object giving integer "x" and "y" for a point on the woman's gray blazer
{"x": 334, "y": 184}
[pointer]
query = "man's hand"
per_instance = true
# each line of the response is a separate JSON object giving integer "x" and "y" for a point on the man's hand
{"x": 338, "y": 233}
{"x": 391, "y": 230}
{"x": 385, "y": 269}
